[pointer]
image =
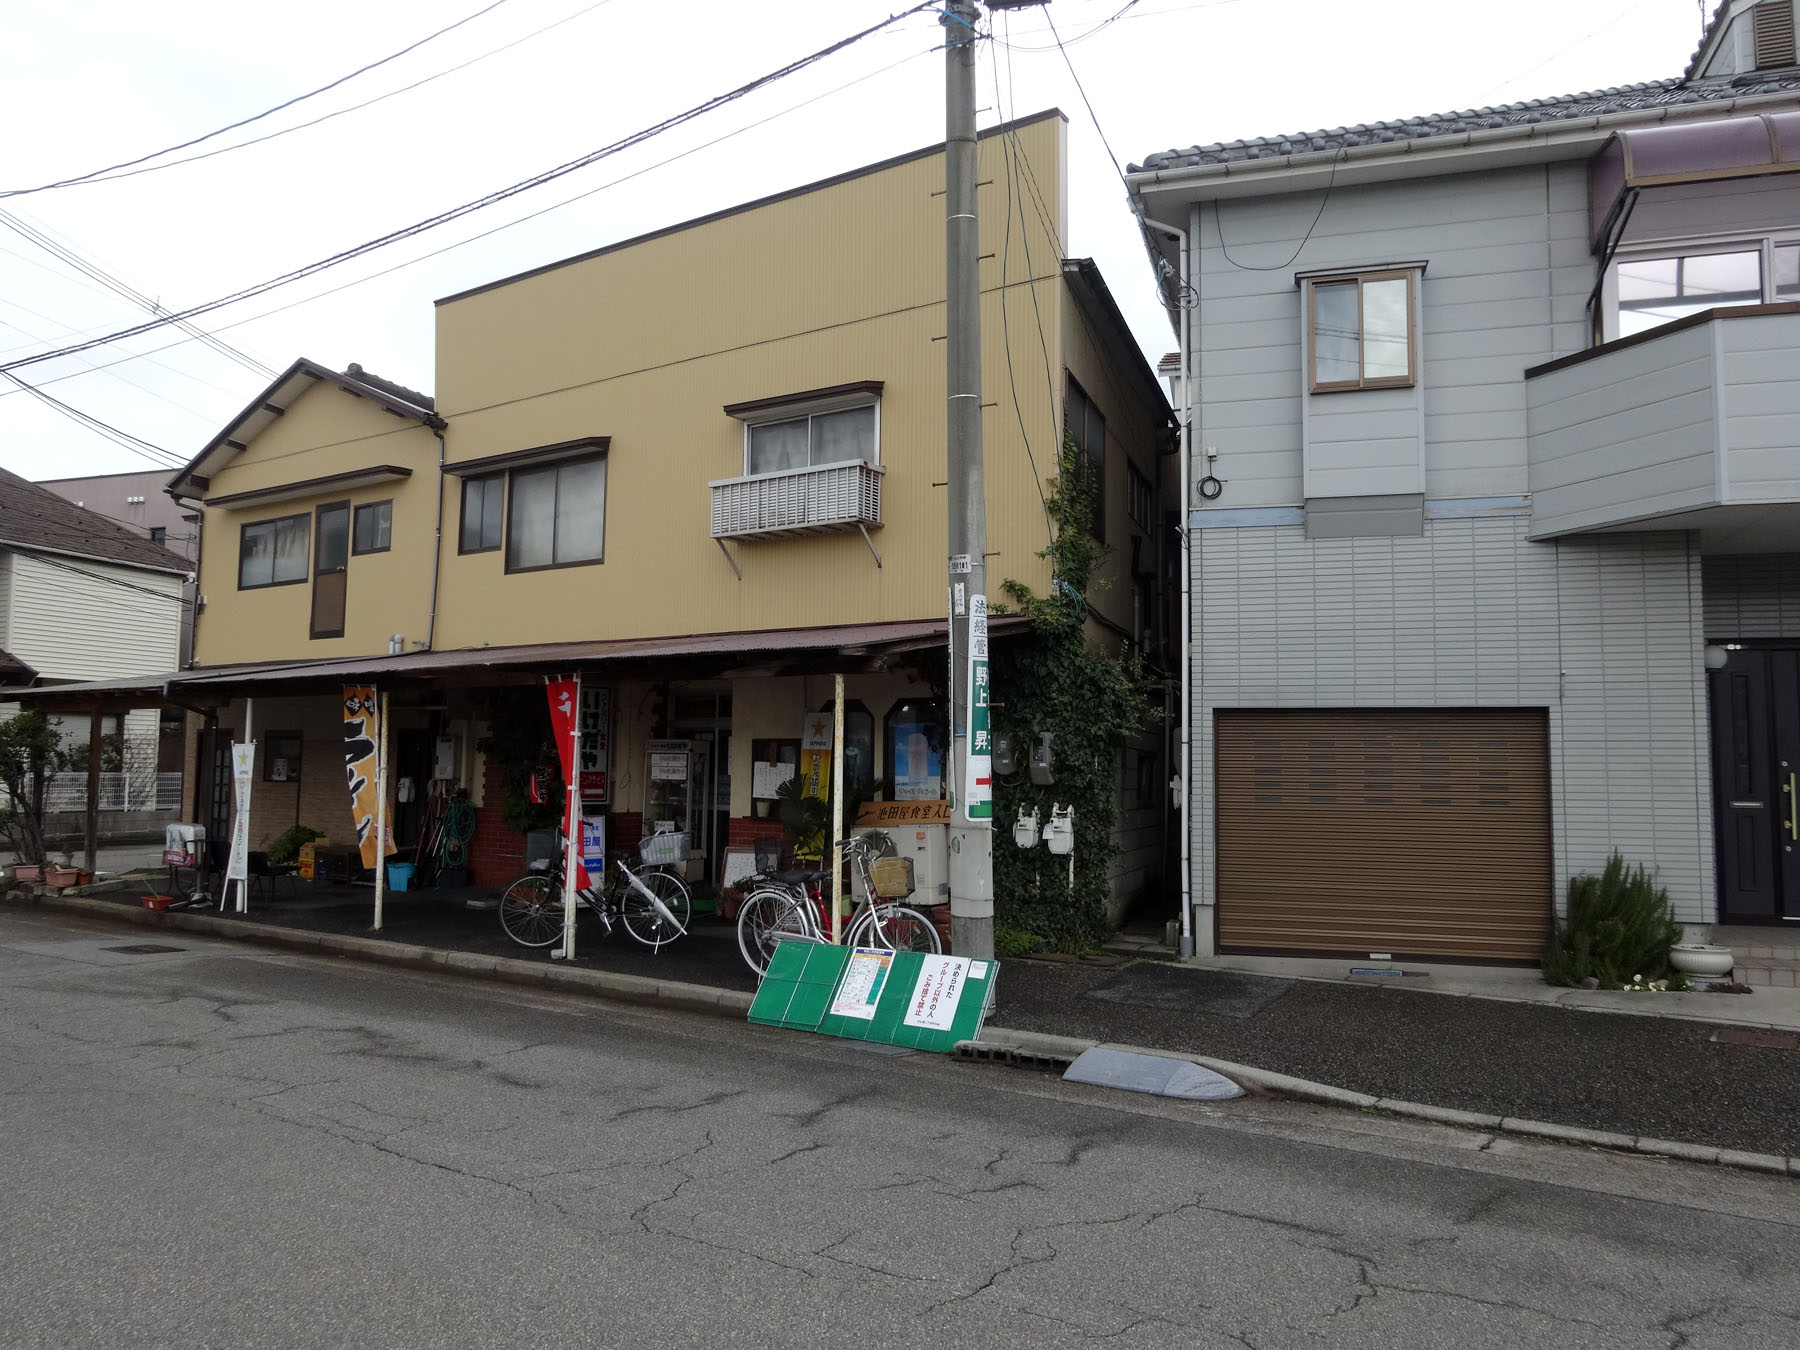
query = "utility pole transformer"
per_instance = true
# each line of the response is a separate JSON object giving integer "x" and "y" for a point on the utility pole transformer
{"x": 970, "y": 773}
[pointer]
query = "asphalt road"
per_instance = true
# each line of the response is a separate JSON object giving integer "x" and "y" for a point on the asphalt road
{"x": 219, "y": 1148}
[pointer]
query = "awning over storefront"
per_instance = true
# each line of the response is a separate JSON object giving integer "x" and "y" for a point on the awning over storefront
{"x": 764, "y": 652}
{"x": 1697, "y": 152}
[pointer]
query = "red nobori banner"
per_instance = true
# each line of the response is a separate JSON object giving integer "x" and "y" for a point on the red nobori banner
{"x": 565, "y": 699}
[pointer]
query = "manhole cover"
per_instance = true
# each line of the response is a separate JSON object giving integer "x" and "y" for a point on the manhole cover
{"x": 1769, "y": 1040}
{"x": 1219, "y": 993}
{"x": 145, "y": 949}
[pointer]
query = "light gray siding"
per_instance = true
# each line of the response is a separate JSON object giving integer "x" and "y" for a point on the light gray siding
{"x": 1741, "y": 206}
{"x": 1507, "y": 271}
{"x": 1703, "y": 416}
{"x": 1754, "y": 596}
{"x": 1603, "y": 633}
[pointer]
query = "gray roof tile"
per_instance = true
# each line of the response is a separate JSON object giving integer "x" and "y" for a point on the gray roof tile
{"x": 1562, "y": 108}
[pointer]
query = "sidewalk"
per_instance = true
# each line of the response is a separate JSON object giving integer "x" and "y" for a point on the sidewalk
{"x": 1718, "y": 1070}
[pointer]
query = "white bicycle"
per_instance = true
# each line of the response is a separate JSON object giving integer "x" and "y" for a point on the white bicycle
{"x": 792, "y": 907}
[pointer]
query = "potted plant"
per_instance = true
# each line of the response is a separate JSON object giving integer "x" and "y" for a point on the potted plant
{"x": 61, "y": 874}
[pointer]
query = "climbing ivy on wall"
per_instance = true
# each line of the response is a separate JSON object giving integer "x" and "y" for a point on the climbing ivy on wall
{"x": 1054, "y": 680}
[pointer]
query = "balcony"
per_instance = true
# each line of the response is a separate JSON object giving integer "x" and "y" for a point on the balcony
{"x": 815, "y": 500}
{"x": 1691, "y": 426}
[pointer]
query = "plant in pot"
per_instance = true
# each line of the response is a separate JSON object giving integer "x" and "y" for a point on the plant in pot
{"x": 31, "y": 754}
{"x": 284, "y": 849}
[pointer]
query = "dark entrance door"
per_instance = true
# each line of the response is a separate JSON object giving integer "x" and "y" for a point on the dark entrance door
{"x": 331, "y": 560}
{"x": 1755, "y": 705}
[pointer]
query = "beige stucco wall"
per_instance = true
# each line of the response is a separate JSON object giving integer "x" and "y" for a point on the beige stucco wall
{"x": 647, "y": 343}
{"x": 325, "y": 431}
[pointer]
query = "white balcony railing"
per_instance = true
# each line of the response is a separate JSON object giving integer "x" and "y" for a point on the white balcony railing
{"x": 813, "y": 500}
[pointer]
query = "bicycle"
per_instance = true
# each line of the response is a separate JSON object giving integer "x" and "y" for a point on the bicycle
{"x": 790, "y": 907}
{"x": 650, "y": 901}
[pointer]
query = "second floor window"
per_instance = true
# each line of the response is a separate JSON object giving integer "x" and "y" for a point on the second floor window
{"x": 1087, "y": 427}
{"x": 1360, "y": 331}
{"x": 483, "y": 513}
{"x": 274, "y": 552}
{"x": 557, "y": 515}
{"x": 1651, "y": 291}
{"x": 374, "y": 528}
{"x": 803, "y": 442}
{"x": 1140, "y": 499}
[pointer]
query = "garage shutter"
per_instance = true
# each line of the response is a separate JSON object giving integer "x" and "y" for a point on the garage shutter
{"x": 1414, "y": 833}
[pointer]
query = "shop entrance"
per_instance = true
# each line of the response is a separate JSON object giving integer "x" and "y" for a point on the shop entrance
{"x": 703, "y": 719}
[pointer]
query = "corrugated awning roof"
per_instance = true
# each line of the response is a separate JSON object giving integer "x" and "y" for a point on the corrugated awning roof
{"x": 799, "y": 647}
{"x": 1695, "y": 152}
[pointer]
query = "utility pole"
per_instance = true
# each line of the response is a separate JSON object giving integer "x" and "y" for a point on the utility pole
{"x": 971, "y": 774}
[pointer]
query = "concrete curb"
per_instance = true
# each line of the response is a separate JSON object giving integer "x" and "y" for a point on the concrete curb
{"x": 736, "y": 1004}
{"x": 572, "y": 979}
{"x": 1040, "y": 1045}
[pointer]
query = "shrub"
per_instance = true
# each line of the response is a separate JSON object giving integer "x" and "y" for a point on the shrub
{"x": 284, "y": 848}
{"x": 1619, "y": 929}
{"x": 1011, "y": 942}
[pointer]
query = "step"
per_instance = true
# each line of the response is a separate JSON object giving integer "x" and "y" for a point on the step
{"x": 1767, "y": 972}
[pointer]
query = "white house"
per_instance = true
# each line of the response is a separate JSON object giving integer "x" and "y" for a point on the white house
{"x": 1495, "y": 527}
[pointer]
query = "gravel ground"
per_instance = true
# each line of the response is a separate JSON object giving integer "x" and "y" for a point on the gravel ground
{"x": 1632, "y": 1075}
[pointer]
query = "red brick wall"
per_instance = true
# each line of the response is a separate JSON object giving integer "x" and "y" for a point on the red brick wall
{"x": 496, "y": 854}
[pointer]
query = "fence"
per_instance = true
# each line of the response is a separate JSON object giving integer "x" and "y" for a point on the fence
{"x": 118, "y": 792}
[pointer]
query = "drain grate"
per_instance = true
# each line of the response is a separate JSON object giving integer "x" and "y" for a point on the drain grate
{"x": 145, "y": 949}
{"x": 988, "y": 1053}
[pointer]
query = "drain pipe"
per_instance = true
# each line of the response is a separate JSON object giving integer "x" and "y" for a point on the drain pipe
{"x": 437, "y": 546}
{"x": 1185, "y": 295}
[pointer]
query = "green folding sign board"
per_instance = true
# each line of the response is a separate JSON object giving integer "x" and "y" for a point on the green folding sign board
{"x": 911, "y": 999}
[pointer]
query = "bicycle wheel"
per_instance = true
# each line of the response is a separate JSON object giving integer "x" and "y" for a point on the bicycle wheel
{"x": 769, "y": 918}
{"x": 899, "y": 930}
{"x": 531, "y": 911}
{"x": 643, "y": 920}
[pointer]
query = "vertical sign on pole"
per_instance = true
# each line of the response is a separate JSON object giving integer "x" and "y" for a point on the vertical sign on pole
{"x": 978, "y": 790}
{"x": 565, "y": 725}
{"x": 243, "y": 762}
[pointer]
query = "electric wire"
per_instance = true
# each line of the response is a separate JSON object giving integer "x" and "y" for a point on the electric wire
{"x": 156, "y": 454}
{"x": 243, "y": 122}
{"x": 490, "y": 199}
{"x": 520, "y": 220}
{"x": 47, "y": 561}
{"x": 195, "y": 413}
{"x": 354, "y": 107}
{"x": 86, "y": 267}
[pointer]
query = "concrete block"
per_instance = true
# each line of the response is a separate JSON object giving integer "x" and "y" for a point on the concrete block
{"x": 1568, "y": 1134}
{"x": 1772, "y": 1163}
{"x": 1038, "y": 1042}
{"x": 1442, "y": 1115}
{"x": 1674, "y": 1148}
{"x": 471, "y": 962}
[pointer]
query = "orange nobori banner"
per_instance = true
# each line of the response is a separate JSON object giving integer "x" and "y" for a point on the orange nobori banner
{"x": 362, "y": 741}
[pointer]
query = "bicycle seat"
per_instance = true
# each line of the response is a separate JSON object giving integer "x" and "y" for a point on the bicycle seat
{"x": 799, "y": 876}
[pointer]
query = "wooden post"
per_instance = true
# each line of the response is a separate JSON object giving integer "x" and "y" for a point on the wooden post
{"x": 95, "y": 727}
{"x": 381, "y": 791}
{"x": 837, "y": 812}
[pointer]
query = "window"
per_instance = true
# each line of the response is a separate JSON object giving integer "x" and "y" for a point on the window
{"x": 1139, "y": 497}
{"x": 374, "y": 528}
{"x": 1088, "y": 430}
{"x": 483, "y": 510}
{"x": 557, "y": 516}
{"x": 1649, "y": 291}
{"x": 818, "y": 438}
{"x": 1361, "y": 332}
{"x": 273, "y": 552}
{"x": 159, "y": 534}
{"x": 281, "y": 757}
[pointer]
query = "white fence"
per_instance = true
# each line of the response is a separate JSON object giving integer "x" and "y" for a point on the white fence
{"x": 118, "y": 792}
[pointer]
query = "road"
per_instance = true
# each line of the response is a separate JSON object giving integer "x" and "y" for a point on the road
{"x": 222, "y": 1147}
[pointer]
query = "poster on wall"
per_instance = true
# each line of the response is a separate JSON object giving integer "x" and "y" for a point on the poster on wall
{"x": 815, "y": 756}
{"x": 917, "y": 773}
{"x": 362, "y": 737}
{"x": 596, "y": 743}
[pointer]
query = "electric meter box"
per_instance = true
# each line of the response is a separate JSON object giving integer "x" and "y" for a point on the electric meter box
{"x": 928, "y": 848}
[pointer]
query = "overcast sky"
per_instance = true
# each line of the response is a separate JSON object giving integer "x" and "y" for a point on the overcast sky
{"x": 85, "y": 84}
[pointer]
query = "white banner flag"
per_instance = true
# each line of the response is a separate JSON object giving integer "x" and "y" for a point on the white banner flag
{"x": 243, "y": 762}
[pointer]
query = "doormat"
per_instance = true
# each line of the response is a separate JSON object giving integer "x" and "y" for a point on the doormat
{"x": 1215, "y": 993}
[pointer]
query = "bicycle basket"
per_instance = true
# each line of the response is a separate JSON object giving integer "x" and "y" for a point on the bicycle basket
{"x": 893, "y": 877}
{"x": 664, "y": 848}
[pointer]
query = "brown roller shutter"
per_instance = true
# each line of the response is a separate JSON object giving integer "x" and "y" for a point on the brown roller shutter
{"x": 1413, "y": 833}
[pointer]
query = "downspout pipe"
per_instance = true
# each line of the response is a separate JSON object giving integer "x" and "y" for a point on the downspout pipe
{"x": 1185, "y": 296}
{"x": 437, "y": 546}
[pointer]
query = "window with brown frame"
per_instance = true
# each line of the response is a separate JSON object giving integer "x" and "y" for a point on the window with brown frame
{"x": 556, "y": 514}
{"x": 1361, "y": 332}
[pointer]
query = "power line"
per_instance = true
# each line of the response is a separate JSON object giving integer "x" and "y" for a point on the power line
{"x": 105, "y": 177}
{"x": 567, "y": 201}
{"x": 242, "y": 122}
{"x": 138, "y": 446}
{"x": 178, "y": 597}
{"x": 123, "y": 379}
{"x": 502, "y": 194}
{"x": 118, "y": 287}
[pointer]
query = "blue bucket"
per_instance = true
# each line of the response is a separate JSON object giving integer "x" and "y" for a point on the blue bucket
{"x": 400, "y": 876}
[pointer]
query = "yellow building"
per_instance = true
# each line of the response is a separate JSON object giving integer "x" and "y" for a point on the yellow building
{"x": 704, "y": 467}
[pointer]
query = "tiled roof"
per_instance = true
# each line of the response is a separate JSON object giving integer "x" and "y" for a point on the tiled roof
{"x": 1565, "y": 107}
{"x": 14, "y": 671}
{"x": 399, "y": 391}
{"x": 34, "y": 517}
